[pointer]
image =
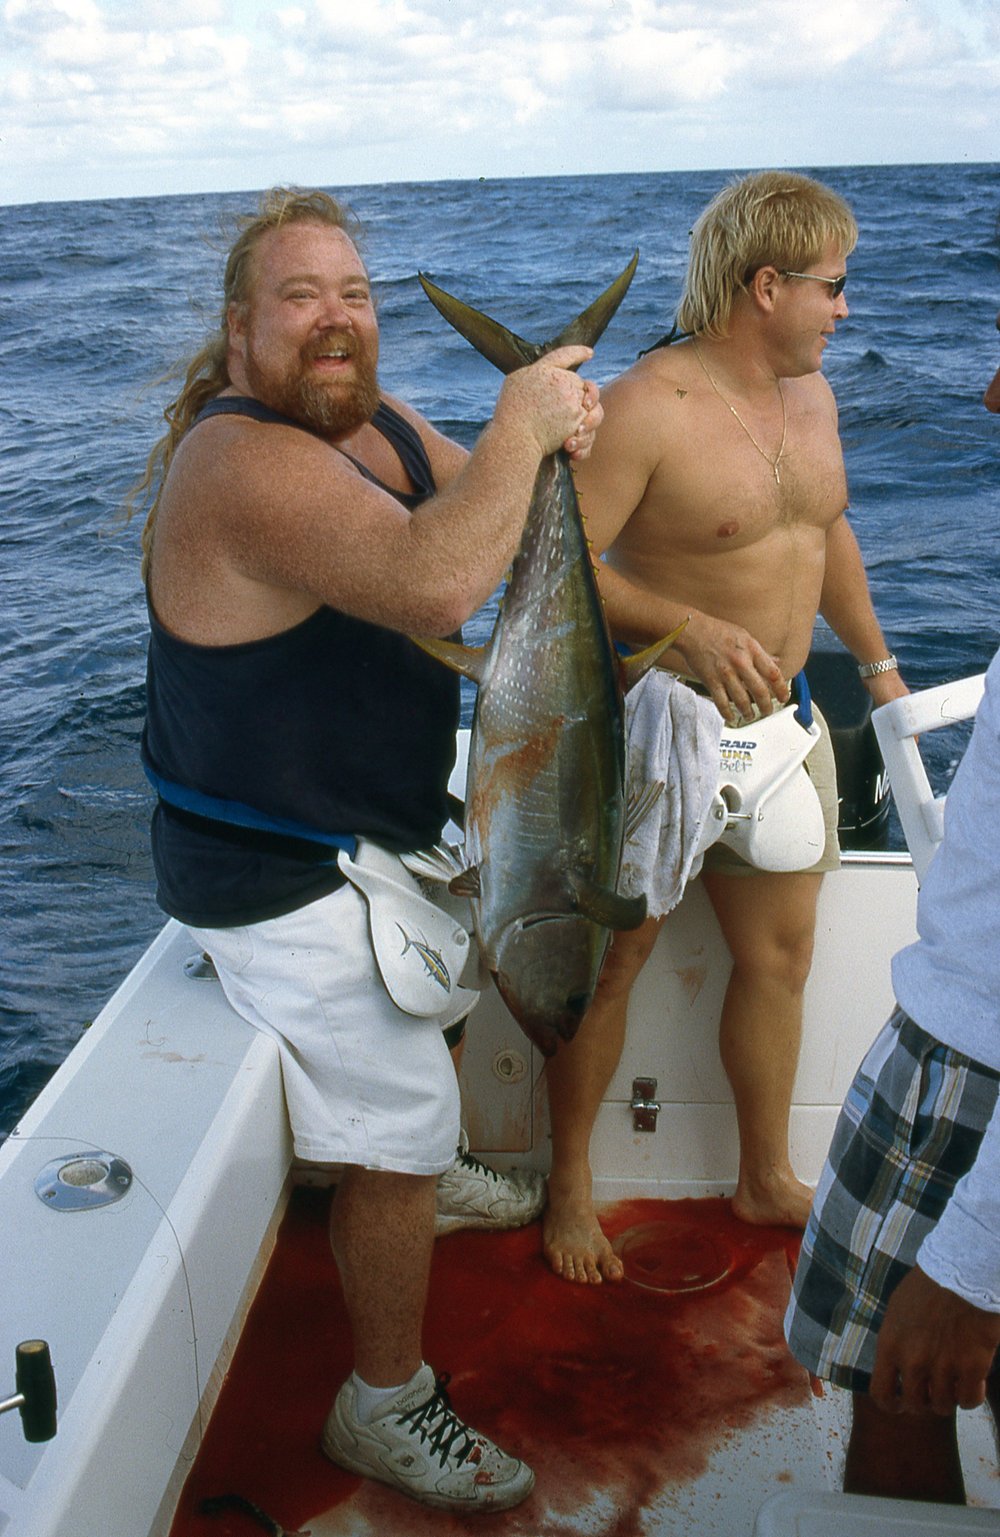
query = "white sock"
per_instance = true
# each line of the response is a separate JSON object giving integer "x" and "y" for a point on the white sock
{"x": 370, "y": 1401}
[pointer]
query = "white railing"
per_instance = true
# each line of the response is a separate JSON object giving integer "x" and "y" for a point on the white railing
{"x": 897, "y": 726}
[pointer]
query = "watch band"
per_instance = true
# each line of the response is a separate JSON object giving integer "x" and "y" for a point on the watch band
{"x": 872, "y": 669}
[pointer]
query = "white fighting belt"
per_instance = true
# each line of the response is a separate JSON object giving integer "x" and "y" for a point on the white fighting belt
{"x": 766, "y": 808}
{"x": 419, "y": 949}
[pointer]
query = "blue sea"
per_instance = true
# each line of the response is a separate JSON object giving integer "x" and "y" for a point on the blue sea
{"x": 98, "y": 300}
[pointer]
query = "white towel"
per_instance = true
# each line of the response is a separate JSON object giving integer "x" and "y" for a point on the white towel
{"x": 673, "y": 737}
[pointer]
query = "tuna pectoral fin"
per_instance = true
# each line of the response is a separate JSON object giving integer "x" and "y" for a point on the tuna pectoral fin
{"x": 470, "y": 661}
{"x": 608, "y": 908}
{"x": 632, "y": 668}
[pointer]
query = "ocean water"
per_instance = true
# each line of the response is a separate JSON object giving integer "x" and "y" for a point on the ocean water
{"x": 97, "y": 300}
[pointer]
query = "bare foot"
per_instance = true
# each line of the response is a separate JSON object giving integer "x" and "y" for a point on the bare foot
{"x": 782, "y": 1201}
{"x": 575, "y": 1244}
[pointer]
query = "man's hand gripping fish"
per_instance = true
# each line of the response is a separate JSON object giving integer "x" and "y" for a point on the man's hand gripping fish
{"x": 545, "y": 815}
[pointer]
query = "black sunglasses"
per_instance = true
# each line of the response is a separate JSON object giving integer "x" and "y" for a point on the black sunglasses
{"x": 836, "y": 284}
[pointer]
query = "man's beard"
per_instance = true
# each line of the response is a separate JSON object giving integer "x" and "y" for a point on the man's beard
{"x": 332, "y": 407}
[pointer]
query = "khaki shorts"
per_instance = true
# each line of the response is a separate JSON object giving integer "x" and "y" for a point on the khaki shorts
{"x": 822, "y": 770}
{"x": 364, "y": 1083}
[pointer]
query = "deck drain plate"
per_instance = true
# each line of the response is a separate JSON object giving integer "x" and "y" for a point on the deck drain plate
{"x": 672, "y": 1259}
{"x": 83, "y": 1181}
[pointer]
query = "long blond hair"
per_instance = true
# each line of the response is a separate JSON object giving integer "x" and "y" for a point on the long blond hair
{"x": 770, "y": 218}
{"x": 207, "y": 373}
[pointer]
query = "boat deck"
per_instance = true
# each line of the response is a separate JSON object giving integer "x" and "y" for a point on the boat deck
{"x": 664, "y": 1405}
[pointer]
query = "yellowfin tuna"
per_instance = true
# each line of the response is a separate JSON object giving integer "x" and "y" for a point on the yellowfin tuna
{"x": 545, "y": 799}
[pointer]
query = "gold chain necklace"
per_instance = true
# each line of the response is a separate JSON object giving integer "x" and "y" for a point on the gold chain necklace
{"x": 784, "y": 417}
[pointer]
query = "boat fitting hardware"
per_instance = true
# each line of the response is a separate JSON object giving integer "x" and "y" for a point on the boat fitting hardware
{"x": 509, "y": 1066}
{"x": 83, "y": 1181}
{"x": 36, "y": 1390}
{"x": 674, "y": 1258}
{"x": 645, "y": 1108}
{"x": 200, "y": 968}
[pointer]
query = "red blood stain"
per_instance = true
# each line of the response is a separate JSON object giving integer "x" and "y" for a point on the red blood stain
{"x": 614, "y": 1391}
{"x": 516, "y": 764}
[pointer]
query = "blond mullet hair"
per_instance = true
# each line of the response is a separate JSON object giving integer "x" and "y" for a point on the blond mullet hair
{"x": 768, "y": 219}
{"x": 207, "y": 373}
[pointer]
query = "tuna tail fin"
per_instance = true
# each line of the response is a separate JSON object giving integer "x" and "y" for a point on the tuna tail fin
{"x": 501, "y": 347}
{"x": 470, "y": 661}
{"x": 632, "y": 668}
{"x": 588, "y": 326}
{"x": 507, "y": 351}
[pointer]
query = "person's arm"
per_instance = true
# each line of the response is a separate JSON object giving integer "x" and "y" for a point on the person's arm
{"x": 734, "y": 668}
{"x": 299, "y": 517}
{"x": 942, "y": 1326}
{"x": 846, "y": 605}
{"x": 935, "y": 1350}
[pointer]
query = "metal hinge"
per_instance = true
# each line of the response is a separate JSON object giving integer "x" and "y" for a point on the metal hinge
{"x": 645, "y": 1108}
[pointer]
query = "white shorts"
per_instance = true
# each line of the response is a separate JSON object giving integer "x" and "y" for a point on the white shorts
{"x": 364, "y": 1083}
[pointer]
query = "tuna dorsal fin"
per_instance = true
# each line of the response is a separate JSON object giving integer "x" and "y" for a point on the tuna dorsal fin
{"x": 632, "y": 668}
{"x": 608, "y": 908}
{"x": 507, "y": 351}
{"x": 470, "y": 661}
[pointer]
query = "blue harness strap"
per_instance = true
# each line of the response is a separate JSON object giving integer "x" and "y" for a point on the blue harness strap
{"x": 215, "y": 809}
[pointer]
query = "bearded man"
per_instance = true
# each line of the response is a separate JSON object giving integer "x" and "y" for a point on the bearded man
{"x": 302, "y": 526}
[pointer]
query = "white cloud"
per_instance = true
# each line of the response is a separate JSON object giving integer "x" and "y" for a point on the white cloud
{"x": 647, "y": 67}
{"x": 174, "y": 91}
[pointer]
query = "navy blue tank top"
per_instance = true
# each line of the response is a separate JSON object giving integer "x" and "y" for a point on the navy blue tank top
{"x": 338, "y": 724}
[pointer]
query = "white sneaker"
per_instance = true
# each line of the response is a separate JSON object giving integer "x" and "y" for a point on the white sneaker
{"x": 420, "y": 1447}
{"x": 471, "y": 1195}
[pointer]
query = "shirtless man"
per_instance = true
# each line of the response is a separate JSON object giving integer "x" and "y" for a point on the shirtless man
{"x": 718, "y": 491}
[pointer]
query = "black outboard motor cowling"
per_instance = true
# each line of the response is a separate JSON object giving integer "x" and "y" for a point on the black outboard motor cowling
{"x": 862, "y": 782}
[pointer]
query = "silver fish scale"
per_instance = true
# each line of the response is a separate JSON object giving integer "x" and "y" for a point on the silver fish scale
{"x": 539, "y": 721}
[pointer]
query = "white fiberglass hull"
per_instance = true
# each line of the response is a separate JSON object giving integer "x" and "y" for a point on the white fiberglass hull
{"x": 142, "y": 1300}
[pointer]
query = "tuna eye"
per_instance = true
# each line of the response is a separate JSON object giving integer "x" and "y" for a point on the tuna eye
{"x": 578, "y": 1004}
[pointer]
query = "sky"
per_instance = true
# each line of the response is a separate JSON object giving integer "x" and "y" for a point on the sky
{"x": 125, "y": 98}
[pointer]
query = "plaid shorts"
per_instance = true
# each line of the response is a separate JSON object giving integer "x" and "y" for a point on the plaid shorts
{"x": 910, "y": 1127}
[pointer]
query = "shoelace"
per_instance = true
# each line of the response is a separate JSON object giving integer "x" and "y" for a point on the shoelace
{"x": 437, "y": 1423}
{"x": 469, "y": 1161}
